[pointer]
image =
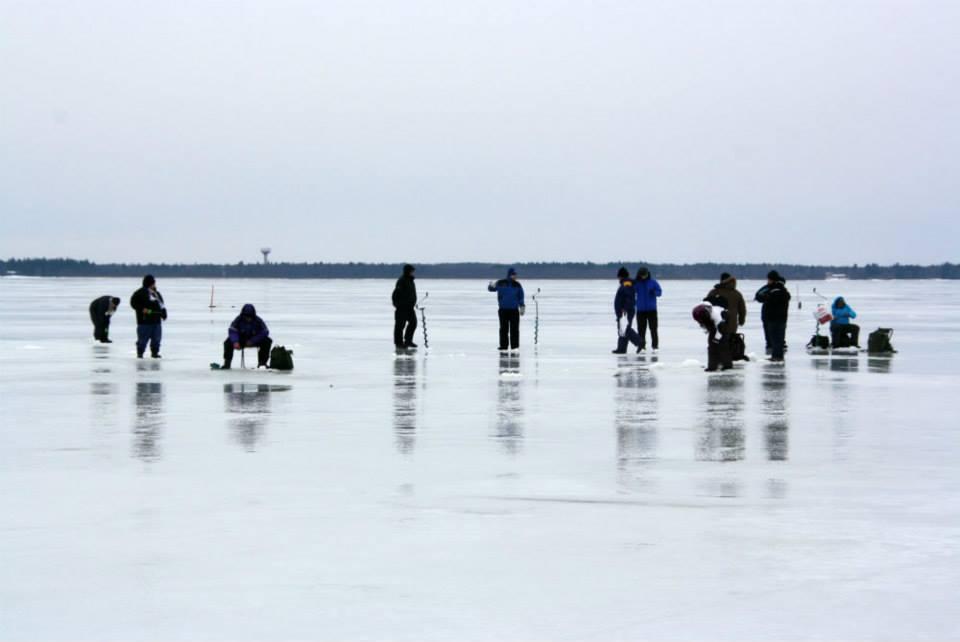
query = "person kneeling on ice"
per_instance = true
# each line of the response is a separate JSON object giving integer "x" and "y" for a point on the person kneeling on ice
{"x": 247, "y": 331}
{"x": 510, "y": 299}
{"x": 624, "y": 307}
{"x": 843, "y": 333}
{"x": 101, "y": 310}
{"x": 713, "y": 320}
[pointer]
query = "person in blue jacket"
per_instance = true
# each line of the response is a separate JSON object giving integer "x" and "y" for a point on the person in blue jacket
{"x": 841, "y": 328}
{"x": 510, "y": 299}
{"x": 648, "y": 290}
{"x": 625, "y": 307}
{"x": 247, "y": 331}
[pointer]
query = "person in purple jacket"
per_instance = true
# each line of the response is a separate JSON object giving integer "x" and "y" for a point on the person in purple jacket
{"x": 648, "y": 291}
{"x": 247, "y": 331}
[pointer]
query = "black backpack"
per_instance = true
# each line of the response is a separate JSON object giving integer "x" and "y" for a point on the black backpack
{"x": 819, "y": 342}
{"x": 879, "y": 341}
{"x": 738, "y": 348}
{"x": 281, "y": 358}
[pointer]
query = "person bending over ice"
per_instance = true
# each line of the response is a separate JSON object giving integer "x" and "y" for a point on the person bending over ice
{"x": 247, "y": 331}
{"x": 713, "y": 319}
{"x": 101, "y": 309}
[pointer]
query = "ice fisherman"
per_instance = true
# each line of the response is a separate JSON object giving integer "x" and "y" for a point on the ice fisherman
{"x": 101, "y": 310}
{"x": 841, "y": 327}
{"x": 151, "y": 312}
{"x": 624, "y": 308}
{"x": 726, "y": 295}
{"x": 648, "y": 291}
{"x": 405, "y": 309}
{"x": 511, "y": 307}
{"x": 247, "y": 331}
{"x": 775, "y": 298}
{"x": 713, "y": 318}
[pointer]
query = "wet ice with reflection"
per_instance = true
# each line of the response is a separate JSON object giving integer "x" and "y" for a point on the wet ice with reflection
{"x": 691, "y": 505}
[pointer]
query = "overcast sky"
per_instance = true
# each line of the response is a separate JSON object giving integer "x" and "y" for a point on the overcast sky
{"x": 447, "y": 130}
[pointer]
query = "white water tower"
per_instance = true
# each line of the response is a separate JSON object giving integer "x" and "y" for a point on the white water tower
{"x": 266, "y": 255}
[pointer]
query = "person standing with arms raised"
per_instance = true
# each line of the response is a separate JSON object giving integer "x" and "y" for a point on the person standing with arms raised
{"x": 511, "y": 307}
{"x": 151, "y": 312}
{"x": 405, "y": 314}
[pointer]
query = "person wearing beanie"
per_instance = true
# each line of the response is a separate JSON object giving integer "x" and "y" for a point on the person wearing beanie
{"x": 775, "y": 298}
{"x": 404, "y": 313}
{"x": 725, "y": 295}
{"x": 648, "y": 291}
{"x": 511, "y": 307}
{"x": 148, "y": 305}
{"x": 101, "y": 309}
{"x": 625, "y": 307}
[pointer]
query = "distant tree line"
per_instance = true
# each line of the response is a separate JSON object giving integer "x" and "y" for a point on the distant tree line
{"x": 83, "y": 268}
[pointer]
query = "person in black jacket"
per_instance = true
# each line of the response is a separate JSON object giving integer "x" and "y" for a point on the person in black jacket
{"x": 148, "y": 305}
{"x": 101, "y": 309}
{"x": 405, "y": 313}
{"x": 775, "y": 298}
{"x": 624, "y": 308}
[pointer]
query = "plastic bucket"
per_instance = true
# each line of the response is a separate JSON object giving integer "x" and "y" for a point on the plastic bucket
{"x": 822, "y": 314}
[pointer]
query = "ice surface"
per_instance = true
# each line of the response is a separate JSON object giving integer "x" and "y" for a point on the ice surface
{"x": 558, "y": 493}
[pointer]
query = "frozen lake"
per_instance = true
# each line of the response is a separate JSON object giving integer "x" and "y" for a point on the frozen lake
{"x": 562, "y": 493}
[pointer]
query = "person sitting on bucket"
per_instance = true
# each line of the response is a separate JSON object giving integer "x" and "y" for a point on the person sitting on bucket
{"x": 247, "y": 331}
{"x": 841, "y": 326}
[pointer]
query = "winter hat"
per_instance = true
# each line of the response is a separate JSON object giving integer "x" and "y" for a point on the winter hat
{"x": 701, "y": 313}
{"x": 511, "y": 272}
{"x": 148, "y": 280}
{"x": 115, "y": 300}
{"x": 408, "y": 269}
{"x": 622, "y": 273}
{"x": 248, "y": 310}
{"x": 724, "y": 276}
{"x": 774, "y": 275}
{"x": 643, "y": 273}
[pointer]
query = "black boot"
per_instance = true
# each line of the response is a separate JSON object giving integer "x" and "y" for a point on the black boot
{"x": 621, "y": 346}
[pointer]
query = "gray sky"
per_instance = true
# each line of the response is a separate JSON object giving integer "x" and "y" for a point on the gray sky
{"x": 489, "y": 130}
